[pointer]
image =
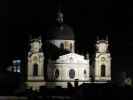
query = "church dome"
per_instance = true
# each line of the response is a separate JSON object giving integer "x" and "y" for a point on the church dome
{"x": 60, "y": 31}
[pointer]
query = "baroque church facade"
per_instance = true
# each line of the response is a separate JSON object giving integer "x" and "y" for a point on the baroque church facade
{"x": 59, "y": 64}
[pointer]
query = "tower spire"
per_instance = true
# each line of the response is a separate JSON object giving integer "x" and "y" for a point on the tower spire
{"x": 107, "y": 37}
{"x": 97, "y": 38}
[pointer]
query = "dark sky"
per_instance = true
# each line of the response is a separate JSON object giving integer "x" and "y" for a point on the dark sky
{"x": 88, "y": 18}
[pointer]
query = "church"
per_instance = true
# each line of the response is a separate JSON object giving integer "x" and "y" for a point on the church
{"x": 54, "y": 62}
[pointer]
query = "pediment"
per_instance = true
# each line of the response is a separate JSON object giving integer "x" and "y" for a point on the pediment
{"x": 71, "y": 58}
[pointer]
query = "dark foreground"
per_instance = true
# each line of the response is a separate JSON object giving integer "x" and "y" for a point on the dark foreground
{"x": 84, "y": 91}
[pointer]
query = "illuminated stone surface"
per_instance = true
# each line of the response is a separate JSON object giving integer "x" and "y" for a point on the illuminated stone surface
{"x": 35, "y": 76}
{"x": 102, "y": 58}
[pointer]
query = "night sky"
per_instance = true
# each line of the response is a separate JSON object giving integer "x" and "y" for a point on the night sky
{"x": 88, "y": 19}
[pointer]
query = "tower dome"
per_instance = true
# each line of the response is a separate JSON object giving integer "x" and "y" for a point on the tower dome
{"x": 60, "y": 31}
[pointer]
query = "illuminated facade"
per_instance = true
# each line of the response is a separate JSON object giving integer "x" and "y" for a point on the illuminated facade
{"x": 102, "y": 61}
{"x": 35, "y": 68}
{"x": 68, "y": 66}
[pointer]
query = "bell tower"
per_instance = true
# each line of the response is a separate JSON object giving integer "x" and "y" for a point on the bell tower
{"x": 102, "y": 61}
{"x": 35, "y": 67}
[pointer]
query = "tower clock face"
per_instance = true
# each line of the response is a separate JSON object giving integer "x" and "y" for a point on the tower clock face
{"x": 103, "y": 59}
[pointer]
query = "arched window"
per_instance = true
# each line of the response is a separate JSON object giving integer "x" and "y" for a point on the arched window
{"x": 102, "y": 70}
{"x": 62, "y": 46}
{"x": 56, "y": 73}
{"x": 85, "y": 73}
{"x": 35, "y": 69}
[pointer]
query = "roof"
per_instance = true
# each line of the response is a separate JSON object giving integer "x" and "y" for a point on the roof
{"x": 61, "y": 32}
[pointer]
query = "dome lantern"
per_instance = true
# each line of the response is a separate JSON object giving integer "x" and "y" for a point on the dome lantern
{"x": 59, "y": 17}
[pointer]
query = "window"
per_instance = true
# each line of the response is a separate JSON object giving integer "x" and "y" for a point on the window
{"x": 102, "y": 70}
{"x": 85, "y": 73}
{"x": 103, "y": 59}
{"x": 62, "y": 46}
{"x": 72, "y": 73}
{"x": 56, "y": 73}
{"x": 35, "y": 69}
{"x": 18, "y": 69}
{"x": 66, "y": 44}
{"x": 70, "y": 46}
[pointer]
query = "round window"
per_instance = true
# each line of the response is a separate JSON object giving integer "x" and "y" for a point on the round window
{"x": 72, "y": 73}
{"x": 56, "y": 73}
{"x": 102, "y": 59}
